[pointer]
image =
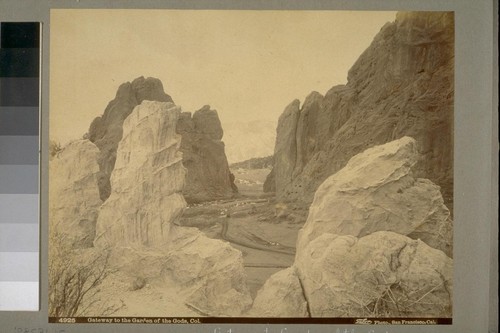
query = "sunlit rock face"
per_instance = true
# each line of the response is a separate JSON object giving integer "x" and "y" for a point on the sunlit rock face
{"x": 384, "y": 274}
{"x": 106, "y": 131}
{"x": 138, "y": 220}
{"x": 147, "y": 179}
{"x": 209, "y": 273}
{"x": 281, "y": 296}
{"x": 402, "y": 85}
{"x": 73, "y": 192}
{"x": 208, "y": 176}
{"x": 377, "y": 243}
{"x": 376, "y": 191}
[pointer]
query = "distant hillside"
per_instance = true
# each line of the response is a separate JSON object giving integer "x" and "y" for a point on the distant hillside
{"x": 254, "y": 163}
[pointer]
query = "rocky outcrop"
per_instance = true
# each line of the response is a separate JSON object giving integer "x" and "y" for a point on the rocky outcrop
{"x": 73, "y": 193}
{"x": 208, "y": 176}
{"x": 106, "y": 131}
{"x": 380, "y": 275}
{"x": 281, "y": 296}
{"x": 209, "y": 272}
{"x": 402, "y": 85}
{"x": 204, "y": 157}
{"x": 377, "y": 243}
{"x": 138, "y": 220}
{"x": 376, "y": 191}
{"x": 147, "y": 179}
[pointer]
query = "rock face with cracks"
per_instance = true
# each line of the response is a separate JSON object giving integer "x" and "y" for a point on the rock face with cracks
{"x": 106, "y": 131}
{"x": 375, "y": 244}
{"x": 281, "y": 296}
{"x": 209, "y": 272}
{"x": 138, "y": 220}
{"x": 402, "y": 85}
{"x": 204, "y": 157}
{"x": 147, "y": 179}
{"x": 73, "y": 193}
{"x": 376, "y": 191}
{"x": 380, "y": 275}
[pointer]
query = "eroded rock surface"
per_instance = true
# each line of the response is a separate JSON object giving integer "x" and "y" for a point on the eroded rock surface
{"x": 210, "y": 273}
{"x": 402, "y": 85}
{"x": 281, "y": 296}
{"x": 208, "y": 176}
{"x": 380, "y": 275}
{"x": 147, "y": 179}
{"x": 138, "y": 221}
{"x": 73, "y": 192}
{"x": 377, "y": 243}
{"x": 376, "y": 191}
{"x": 204, "y": 157}
{"x": 106, "y": 131}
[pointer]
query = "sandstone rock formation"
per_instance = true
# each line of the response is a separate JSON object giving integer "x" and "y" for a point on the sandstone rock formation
{"x": 138, "y": 220}
{"x": 73, "y": 193}
{"x": 375, "y": 244}
{"x": 402, "y": 85}
{"x": 208, "y": 176}
{"x": 380, "y": 275}
{"x": 106, "y": 131}
{"x": 147, "y": 180}
{"x": 281, "y": 296}
{"x": 209, "y": 272}
{"x": 375, "y": 191}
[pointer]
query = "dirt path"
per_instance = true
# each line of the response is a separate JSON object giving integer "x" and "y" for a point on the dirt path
{"x": 258, "y": 244}
{"x": 266, "y": 241}
{"x": 251, "y": 223}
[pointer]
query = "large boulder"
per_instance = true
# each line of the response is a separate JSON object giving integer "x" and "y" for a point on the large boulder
{"x": 281, "y": 296}
{"x": 208, "y": 176}
{"x": 106, "y": 131}
{"x": 147, "y": 179}
{"x": 402, "y": 85}
{"x": 380, "y": 275}
{"x": 377, "y": 243}
{"x": 73, "y": 193}
{"x": 209, "y": 273}
{"x": 376, "y": 191}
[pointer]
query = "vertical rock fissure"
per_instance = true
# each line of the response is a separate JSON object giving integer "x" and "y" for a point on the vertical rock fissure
{"x": 308, "y": 308}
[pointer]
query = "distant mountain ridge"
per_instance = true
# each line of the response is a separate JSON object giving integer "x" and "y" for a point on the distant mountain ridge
{"x": 254, "y": 163}
{"x": 246, "y": 140}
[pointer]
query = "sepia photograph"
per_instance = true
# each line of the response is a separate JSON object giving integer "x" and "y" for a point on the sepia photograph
{"x": 263, "y": 166}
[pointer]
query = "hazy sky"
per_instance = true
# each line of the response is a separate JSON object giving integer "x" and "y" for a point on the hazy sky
{"x": 247, "y": 65}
